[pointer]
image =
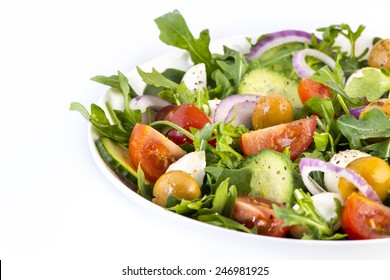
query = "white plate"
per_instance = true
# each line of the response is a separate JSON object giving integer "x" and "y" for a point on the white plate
{"x": 256, "y": 245}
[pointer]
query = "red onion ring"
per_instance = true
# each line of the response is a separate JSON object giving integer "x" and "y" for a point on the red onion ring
{"x": 302, "y": 68}
{"x": 308, "y": 165}
{"x": 276, "y": 39}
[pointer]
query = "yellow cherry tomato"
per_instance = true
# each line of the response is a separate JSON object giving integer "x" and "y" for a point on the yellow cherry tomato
{"x": 382, "y": 104}
{"x": 379, "y": 55}
{"x": 374, "y": 170}
{"x": 176, "y": 183}
{"x": 272, "y": 110}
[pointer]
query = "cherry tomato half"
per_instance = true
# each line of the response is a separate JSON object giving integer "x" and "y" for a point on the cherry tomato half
{"x": 296, "y": 134}
{"x": 163, "y": 112}
{"x": 153, "y": 151}
{"x": 258, "y": 212}
{"x": 272, "y": 110}
{"x": 186, "y": 116}
{"x": 374, "y": 170}
{"x": 307, "y": 88}
{"x": 362, "y": 218}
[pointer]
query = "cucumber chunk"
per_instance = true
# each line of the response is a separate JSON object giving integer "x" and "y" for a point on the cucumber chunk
{"x": 263, "y": 81}
{"x": 117, "y": 158}
{"x": 272, "y": 176}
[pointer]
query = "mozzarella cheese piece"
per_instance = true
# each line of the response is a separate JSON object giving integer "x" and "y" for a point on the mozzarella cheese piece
{"x": 326, "y": 206}
{"x": 195, "y": 78}
{"x": 193, "y": 163}
{"x": 341, "y": 159}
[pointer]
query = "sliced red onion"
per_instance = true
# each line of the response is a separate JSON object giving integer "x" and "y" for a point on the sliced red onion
{"x": 243, "y": 112}
{"x": 308, "y": 165}
{"x": 356, "y": 111}
{"x": 228, "y": 103}
{"x": 276, "y": 39}
{"x": 148, "y": 101}
{"x": 302, "y": 68}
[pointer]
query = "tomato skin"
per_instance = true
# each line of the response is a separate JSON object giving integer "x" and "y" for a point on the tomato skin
{"x": 163, "y": 112}
{"x": 185, "y": 116}
{"x": 307, "y": 88}
{"x": 362, "y": 218}
{"x": 296, "y": 134}
{"x": 153, "y": 151}
{"x": 256, "y": 211}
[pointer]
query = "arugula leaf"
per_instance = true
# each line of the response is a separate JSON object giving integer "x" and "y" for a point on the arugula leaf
{"x": 202, "y": 136}
{"x": 233, "y": 65}
{"x": 224, "y": 72}
{"x": 191, "y": 208}
{"x": 123, "y": 121}
{"x": 334, "y": 79}
{"x": 331, "y": 32}
{"x": 349, "y": 62}
{"x": 144, "y": 189}
{"x": 112, "y": 81}
{"x": 175, "y": 32}
{"x": 380, "y": 149}
{"x": 175, "y": 75}
{"x": 221, "y": 203}
{"x": 221, "y": 197}
{"x": 279, "y": 59}
{"x": 321, "y": 106}
{"x": 101, "y": 123}
{"x": 369, "y": 83}
{"x": 224, "y": 86}
{"x": 373, "y": 124}
{"x": 307, "y": 215}
{"x": 156, "y": 79}
{"x": 240, "y": 178}
{"x": 221, "y": 221}
{"x": 227, "y": 136}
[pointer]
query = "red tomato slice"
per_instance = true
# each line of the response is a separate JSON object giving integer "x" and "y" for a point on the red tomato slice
{"x": 296, "y": 134}
{"x": 186, "y": 116}
{"x": 153, "y": 151}
{"x": 362, "y": 218}
{"x": 256, "y": 211}
{"x": 307, "y": 88}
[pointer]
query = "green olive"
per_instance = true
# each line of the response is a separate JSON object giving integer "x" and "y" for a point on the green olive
{"x": 176, "y": 183}
{"x": 380, "y": 55}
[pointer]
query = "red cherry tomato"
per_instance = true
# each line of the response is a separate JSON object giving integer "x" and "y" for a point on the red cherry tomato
{"x": 258, "y": 212}
{"x": 296, "y": 134}
{"x": 153, "y": 151}
{"x": 307, "y": 88}
{"x": 362, "y": 218}
{"x": 186, "y": 116}
{"x": 163, "y": 112}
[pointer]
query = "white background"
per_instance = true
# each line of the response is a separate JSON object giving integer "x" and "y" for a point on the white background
{"x": 60, "y": 217}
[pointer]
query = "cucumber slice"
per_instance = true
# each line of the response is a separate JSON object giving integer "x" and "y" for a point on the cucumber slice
{"x": 272, "y": 176}
{"x": 117, "y": 158}
{"x": 263, "y": 81}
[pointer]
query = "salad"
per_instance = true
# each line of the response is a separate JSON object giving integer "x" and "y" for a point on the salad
{"x": 288, "y": 139}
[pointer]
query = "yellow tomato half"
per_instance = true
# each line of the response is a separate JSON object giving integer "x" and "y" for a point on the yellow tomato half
{"x": 374, "y": 170}
{"x": 272, "y": 110}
